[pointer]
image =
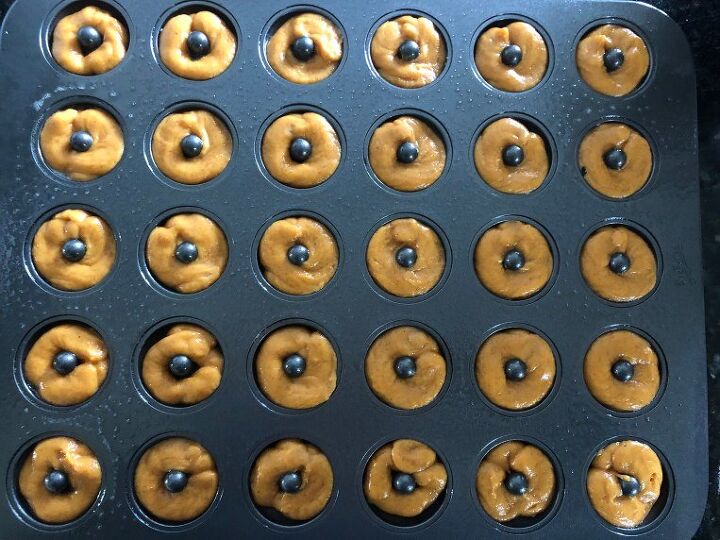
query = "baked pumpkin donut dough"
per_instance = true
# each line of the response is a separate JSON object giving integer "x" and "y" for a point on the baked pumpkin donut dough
{"x": 294, "y": 478}
{"x": 618, "y": 264}
{"x": 513, "y": 58}
{"x": 176, "y": 480}
{"x": 301, "y": 150}
{"x": 510, "y": 157}
{"x": 197, "y": 46}
{"x": 59, "y": 479}
{"x": 404, "y": 477}
{"x": 306, "y": 49}
{"x": 515, "y": 369}
{"x": 73, "y": 250}
{"x": 408, "y": 51}
{"x": 67, "y": 364}
{"x": 513, "y": 260}
{"x": 81, "y": 144}
{"x": 405, "y": 367}
{"x": 192, "y": 147}
{"x": 184, "y": 367}
{"x": 298, "y": 255}
{"x": 612, "y": 60}
{"x": 405, "y": 257}
{"x": 624, "y": 482}
{"x": 515, "y": 479}
{"x": 406, "y": 154}
{"x": 615, "y": 159}
{"x": 188, "y": 253}
{"x": 296, "y": 367}
{"x": 622, "y": 371}
{"x": 89, "y": 41}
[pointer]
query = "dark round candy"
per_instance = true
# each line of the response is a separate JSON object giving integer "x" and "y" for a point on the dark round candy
{"x": 622, "y": 370}
{"x": 630, "y": 486}
{"x": 74, "y": 250}
{"x": 515, "y": 369}
{"x": 303, "y": 48}
{"x": 81, "y": 141}
{"x": 294, "y": 366}
{"x": 298, "y": 254}
{"x": 514, "y": 260}
{"x": 175, "y": 481}
{"x": 516, "y": 483}
{"x": 405, "y": 367}
{"x": 290, "y": 482}
{"x": 403, "y": 483}
{"x": 181, "y": 366}
{"x": 191, "y": 146}
{"x": 615, "y": 159}
{"x": 407, "y": 152}
{"x": 409, "y": 50}
{"x": 65, "y": 362}
{"x": 406, "y": 257}
{"x": 511, "y": 55}
{"x": 89, "y": 38}
{"x": 56, "y": 482}
{"x": 513, "y": 155}
{"x": 619, "y": 263}
{"x": 198, "y": 44}
{"x": 613, "y": 59}
{"x": 186, "y": 252}
{"x": 300, "y": 150}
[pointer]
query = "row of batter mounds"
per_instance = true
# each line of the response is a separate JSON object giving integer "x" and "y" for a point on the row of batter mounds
{"x": 493, "y": 380}
{"x": 509, "y": 233}
{"x": 495, "y": 32}
{"x": 484, "y": 159}
{"x": 272, "y": 518}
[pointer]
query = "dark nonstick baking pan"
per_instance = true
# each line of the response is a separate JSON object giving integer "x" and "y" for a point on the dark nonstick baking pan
{"x": 237, "y": 421}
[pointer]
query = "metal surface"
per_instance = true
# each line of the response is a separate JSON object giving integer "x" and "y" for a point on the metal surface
{"x": 236, "y": 423}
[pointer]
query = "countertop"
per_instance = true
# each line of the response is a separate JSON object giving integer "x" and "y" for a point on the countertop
{"x": 698, "y": 18}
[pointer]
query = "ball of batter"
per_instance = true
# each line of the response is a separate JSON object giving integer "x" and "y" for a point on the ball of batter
{"x": 298, "y": 255}
{"x": 305, "y": 49}
{"x": 296, "y": 367}
{"x": 612, "y": 60}
{"x": 59, "y": 479}
{"x": 184, "y": 367}
{"x": 404, "y": 478}
{"x": 301, "y": 150}
{"x": 407, "y": 154}
{"x": 293, "y": 477}
{"x": 515, "y": 480}
{"x": 513, "y": 58}
{"x": 515, "y": 369}
{"x": 197, "y": 46}
{"x": 510, "y": 158}
{"x": 405, "y": 257}
{"x": 89, "y": 41}
{"x": 408, "y": 51}
{"x": 73, "y": 250}
{"x": 187, "y": 253}
{"x": 618, "y": 264}
{"x": 405, "y": 367}
{"x": 624, "y": 482}
{"x": 81, "y": 144}
{"x": 615, "y": 160}
{"x": 176, "y": 480}
{"x": 192, "y": 147}
{"x": 67, "y": 364}
{"x": 513, "y": 260}
{"x": 622, "y": 371}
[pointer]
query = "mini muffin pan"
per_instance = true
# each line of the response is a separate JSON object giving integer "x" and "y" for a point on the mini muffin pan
{"x": 237, "y": 422}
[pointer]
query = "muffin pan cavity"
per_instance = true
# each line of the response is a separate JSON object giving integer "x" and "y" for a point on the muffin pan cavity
{"x": 396, "y": 252}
